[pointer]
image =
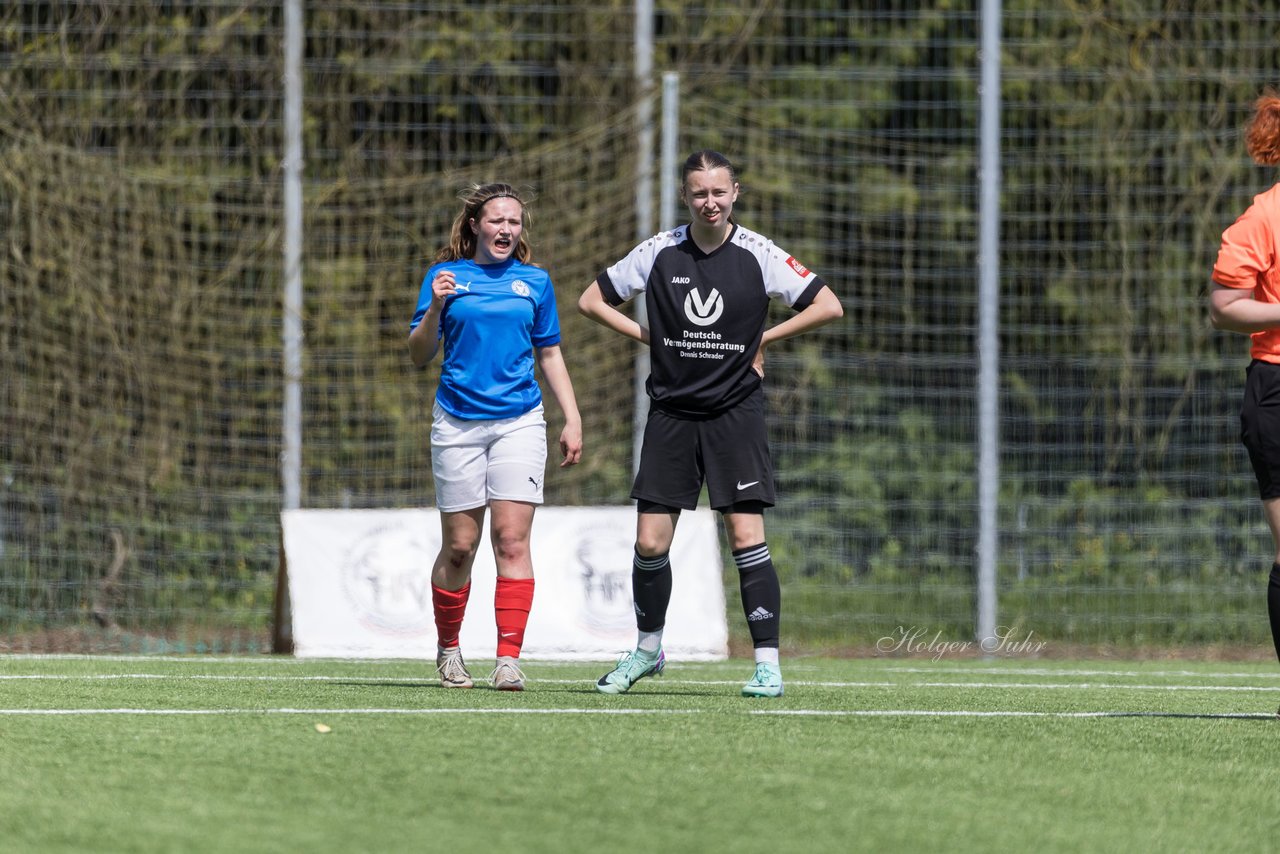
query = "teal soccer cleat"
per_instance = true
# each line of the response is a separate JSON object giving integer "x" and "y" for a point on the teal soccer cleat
{"x": 632, "y": 667}
{"x": 767, "y": 682}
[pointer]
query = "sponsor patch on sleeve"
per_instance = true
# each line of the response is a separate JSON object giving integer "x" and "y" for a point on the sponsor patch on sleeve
{"x": 797, "y": 266}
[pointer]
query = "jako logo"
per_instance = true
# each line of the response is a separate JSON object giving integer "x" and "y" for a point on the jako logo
{"x": 700, "y": 312}
{"x": 679, "y": 280}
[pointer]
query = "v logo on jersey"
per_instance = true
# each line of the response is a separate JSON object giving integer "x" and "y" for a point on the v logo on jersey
{"x": 700, "y": 312}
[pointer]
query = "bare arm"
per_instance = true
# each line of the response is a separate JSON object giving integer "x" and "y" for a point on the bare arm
{"x": 592, "y": 304}
{"x": 824, "y": 309}
{"x": 424, "y": 340}
{"x": 551, "y": 363}
{"x": 1235, "y": 310}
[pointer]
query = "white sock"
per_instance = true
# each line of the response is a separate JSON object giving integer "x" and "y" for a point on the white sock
{"x": 650, "y": 641}
{"x": 767, "y": 655}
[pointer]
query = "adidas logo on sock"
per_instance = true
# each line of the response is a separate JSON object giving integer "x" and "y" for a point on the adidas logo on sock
{"x": 759, "y": 614}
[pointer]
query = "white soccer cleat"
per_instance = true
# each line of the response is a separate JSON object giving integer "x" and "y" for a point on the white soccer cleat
{"x": 506, "y": 675}
{"x": 451, "y": 667}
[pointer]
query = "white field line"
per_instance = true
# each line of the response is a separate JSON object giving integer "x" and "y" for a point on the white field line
{"x": 925, "y": 713}
{"x": 332, "y": 713}
{"x": 1048, "y": 686}
{"x": 286, "y": 661}
{"x": 1015, "y": 669}
{"x": 168, "y": 659}
{"x": 1060, "y": 671}
{"x": 424, "y": 679}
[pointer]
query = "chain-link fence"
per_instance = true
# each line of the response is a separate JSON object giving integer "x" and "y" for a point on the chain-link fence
{"x": 141, "y": 279}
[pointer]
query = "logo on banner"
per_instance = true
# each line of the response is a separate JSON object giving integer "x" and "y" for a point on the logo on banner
{"x": 604, "y": 571}
{"x": 386, "y": 576}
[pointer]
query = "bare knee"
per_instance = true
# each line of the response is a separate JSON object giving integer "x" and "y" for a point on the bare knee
{"x": 655, "y": 528}
{"x": 650, "y": 543}
{"x": 744, "y": 529}
{"x": 459, "y": 552}
{"x": 510, "y": 545}
{"x": 655, "y": 533}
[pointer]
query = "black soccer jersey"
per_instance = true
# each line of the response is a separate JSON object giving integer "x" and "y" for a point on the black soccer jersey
{"x": 707, "y": 313}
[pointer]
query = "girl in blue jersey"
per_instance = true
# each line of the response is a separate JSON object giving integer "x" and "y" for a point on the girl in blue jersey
{"x": 496, "y": 315}
{"x": 707, "y": 288}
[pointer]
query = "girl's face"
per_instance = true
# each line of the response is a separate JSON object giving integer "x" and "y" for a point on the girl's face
{"x": 710, "y": 195}
{"x": 497, "y": 230}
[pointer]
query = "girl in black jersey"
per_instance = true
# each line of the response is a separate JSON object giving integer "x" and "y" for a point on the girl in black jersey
{"x": 706, "y": 287}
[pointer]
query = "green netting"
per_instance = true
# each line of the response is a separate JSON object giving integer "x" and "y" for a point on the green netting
{"x": 140, "y": 293}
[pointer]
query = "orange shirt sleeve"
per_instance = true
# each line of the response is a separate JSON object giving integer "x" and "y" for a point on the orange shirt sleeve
{"x": 1247, "y": 253}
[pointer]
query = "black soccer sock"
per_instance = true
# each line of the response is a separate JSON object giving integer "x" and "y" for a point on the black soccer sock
{"x": 761, "y": 594}
{"x": 1273, "y": 605}
{"x": 651, "y": 590}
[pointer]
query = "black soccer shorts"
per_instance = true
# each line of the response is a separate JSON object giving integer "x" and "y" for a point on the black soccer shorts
{"x": 1260, "y": 425}
{"x": 729, "y": 452}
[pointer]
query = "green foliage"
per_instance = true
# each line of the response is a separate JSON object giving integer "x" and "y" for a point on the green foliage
{"x": 141, "y": 278}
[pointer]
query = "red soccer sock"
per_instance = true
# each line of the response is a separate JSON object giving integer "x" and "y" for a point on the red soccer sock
{"x": 512, "y": 600}
{"x": 449, "y": 606}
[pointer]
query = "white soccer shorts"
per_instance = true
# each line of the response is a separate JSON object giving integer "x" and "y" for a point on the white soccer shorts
{"x": 475, "y": 462}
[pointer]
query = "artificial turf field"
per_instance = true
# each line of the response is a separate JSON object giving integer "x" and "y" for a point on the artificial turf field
{"x": 228, "y": 754}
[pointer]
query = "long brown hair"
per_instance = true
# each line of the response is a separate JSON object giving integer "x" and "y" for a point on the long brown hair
{"x": 462, "y": 240}
{"x": 1262, "y": 136}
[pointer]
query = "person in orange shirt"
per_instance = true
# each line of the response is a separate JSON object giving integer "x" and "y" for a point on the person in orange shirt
{"x": 1246, "y": 299}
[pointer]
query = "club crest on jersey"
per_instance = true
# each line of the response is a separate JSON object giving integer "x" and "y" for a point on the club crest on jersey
{"x": 797, "y": 266}
{"x": 520, "y": 288}
{"x": 703, "y": 312}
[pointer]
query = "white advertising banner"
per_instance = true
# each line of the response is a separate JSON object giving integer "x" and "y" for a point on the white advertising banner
{"x": 360, "y": 586}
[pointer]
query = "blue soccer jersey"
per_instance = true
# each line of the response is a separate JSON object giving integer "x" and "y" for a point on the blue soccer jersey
{"x": 489, "y": 327}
